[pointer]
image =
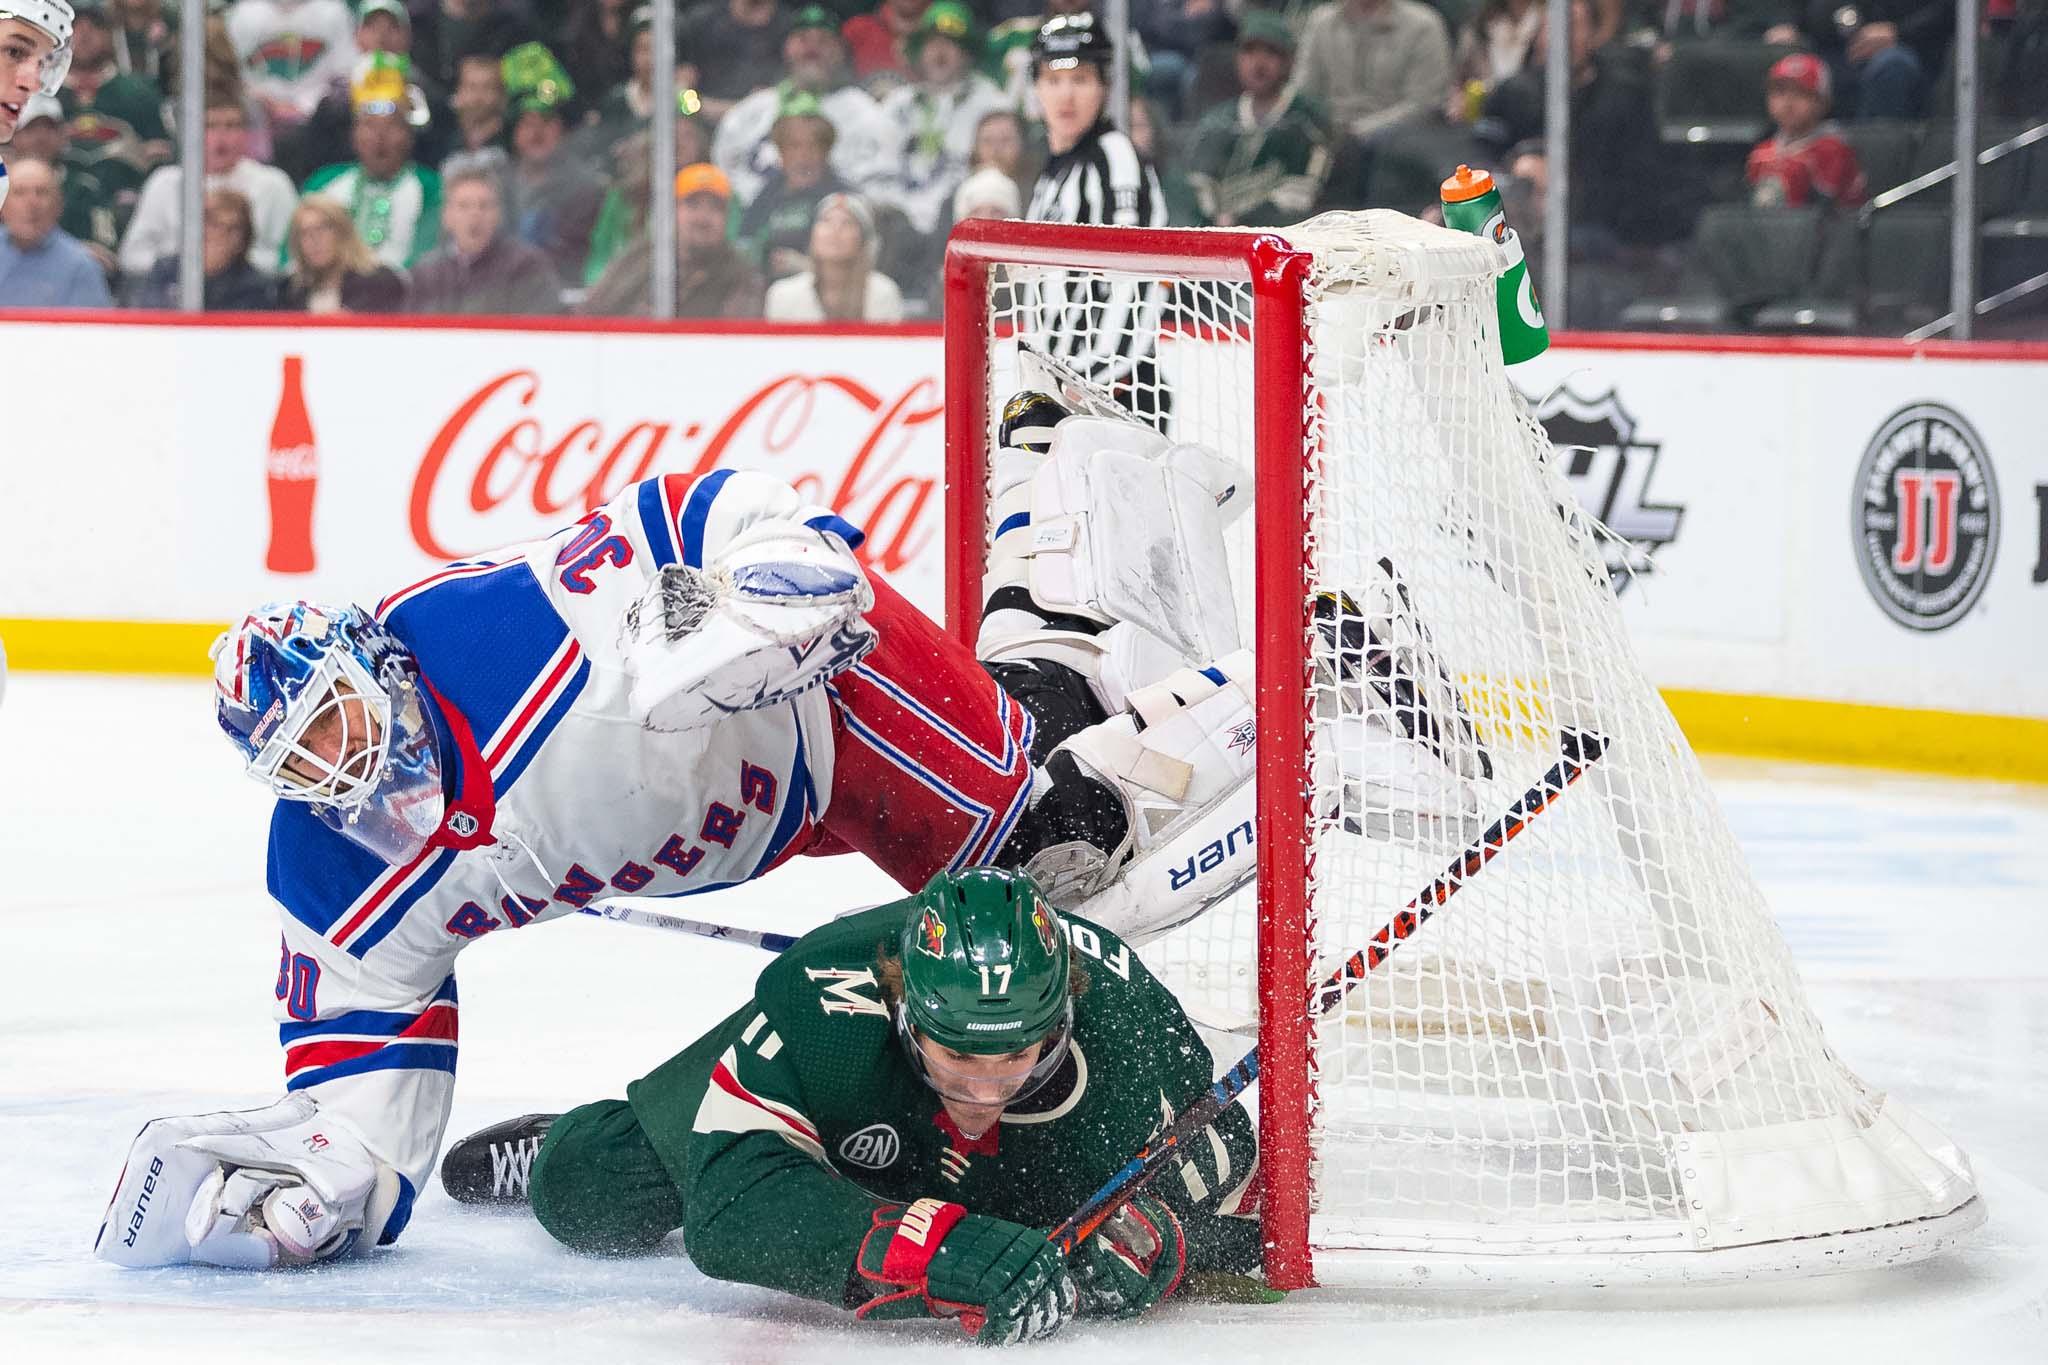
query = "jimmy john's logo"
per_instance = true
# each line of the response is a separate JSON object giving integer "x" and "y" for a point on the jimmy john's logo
{"x": 1610, "y": 471}
{"x": 873, "y": 1147}
{"x": 1925, "y": 517}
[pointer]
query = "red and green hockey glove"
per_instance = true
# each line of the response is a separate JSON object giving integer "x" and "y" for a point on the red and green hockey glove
{"x": 1003, "y": 1280}
{"x": 1134, "y": 1260}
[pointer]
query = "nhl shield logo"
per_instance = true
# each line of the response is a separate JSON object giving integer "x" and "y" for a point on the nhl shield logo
{"x": 1610, "y": 471}
{"x": 1925, "y": 517}
{"x": 872, "y": 1148}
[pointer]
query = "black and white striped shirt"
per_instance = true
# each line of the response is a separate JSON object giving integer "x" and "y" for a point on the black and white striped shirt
{"x": 1102, "y": 326}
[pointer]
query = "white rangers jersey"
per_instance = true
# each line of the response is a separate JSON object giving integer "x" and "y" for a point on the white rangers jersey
{"x": 562, "y": 796}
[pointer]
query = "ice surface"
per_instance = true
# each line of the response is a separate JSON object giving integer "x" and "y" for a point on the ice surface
{"x": 137, "y": 952}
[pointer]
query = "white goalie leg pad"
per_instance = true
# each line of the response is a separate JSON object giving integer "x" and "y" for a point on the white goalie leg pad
{"x": 1185, "y": 783}
{"x": 1120, "y": 535}
{"x": 776, "y": 614}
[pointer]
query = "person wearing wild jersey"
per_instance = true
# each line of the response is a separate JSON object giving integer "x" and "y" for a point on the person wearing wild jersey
{"x": 35, "y": 54}
{"x": 911, "y": 1097}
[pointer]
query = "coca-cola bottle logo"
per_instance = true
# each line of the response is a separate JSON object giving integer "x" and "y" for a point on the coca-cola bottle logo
{"x": 291, "y": 471}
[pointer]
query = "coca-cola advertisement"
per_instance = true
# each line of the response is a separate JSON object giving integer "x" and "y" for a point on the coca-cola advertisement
{"x": 340, "y": 463}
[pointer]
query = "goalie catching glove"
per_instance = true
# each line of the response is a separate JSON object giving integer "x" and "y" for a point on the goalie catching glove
{"x": 248, "y": 1190}
{"x": 1002, "y": 1280}
{"x": 777, "y": 613}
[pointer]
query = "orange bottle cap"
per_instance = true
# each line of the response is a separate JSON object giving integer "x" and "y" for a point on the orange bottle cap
{"x": 1467, "y": 184}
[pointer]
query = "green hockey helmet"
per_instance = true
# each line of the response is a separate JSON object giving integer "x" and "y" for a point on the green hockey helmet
{"x": 985, "y": 971}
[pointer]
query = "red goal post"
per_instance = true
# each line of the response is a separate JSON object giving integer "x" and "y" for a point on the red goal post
{"x": 1277, "y": 275}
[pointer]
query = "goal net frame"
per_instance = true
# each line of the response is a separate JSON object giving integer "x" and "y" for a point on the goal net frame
{"x": 1276, "y": 273}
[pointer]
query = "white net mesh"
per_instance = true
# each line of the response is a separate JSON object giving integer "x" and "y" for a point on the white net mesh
{"x": 1542, "y": 1066}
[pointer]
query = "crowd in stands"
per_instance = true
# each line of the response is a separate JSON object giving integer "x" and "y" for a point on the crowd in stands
{"x": 491, "y": 156}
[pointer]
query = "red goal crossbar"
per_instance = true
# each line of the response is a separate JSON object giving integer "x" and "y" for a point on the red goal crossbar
{"x": 1277, "y": 274}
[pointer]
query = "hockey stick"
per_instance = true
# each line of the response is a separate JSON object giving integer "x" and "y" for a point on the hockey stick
{"x": 1577, "y": 751}
{"x": 656, "y": 919}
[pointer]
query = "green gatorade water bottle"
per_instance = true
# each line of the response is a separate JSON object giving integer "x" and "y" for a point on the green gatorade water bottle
{"x": 1472, "y": 204}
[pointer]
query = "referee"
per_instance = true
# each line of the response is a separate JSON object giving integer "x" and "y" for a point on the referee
{"x": 1101, "y": 326}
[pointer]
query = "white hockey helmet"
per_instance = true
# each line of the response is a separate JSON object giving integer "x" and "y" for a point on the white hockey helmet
{"x": 54, "y": 18}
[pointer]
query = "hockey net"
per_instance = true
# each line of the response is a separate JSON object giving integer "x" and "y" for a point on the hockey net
{"x": 1597, "y": 1061}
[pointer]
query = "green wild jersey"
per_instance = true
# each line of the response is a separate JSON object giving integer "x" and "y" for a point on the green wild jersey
{"x": 812, "y": 1116}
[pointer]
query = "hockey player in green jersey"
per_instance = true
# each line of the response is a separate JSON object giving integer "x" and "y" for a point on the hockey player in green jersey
{"x": 913, "y": 1095}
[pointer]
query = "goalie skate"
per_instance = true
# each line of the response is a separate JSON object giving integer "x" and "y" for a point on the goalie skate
{"x": 1405, "y": 747}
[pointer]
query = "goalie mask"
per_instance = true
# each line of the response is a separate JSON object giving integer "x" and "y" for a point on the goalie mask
{"x": 325, "y": 707}
{"x": 53, "y": 17}
{"x": 985, "y": 973}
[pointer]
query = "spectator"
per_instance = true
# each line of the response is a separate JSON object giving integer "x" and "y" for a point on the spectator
{"x": 1678, "y": 21}
{"x": 478, "y": 104}
{"x": 1806, "y": 161}
{"x": 736, "y": 46}
{"x": 331, "y": 271}
{"x": 1008, "y": 59}
{"x": 988, "y": 193}
{"x": 552, "y": 197}
{"x": 39, "y": 130}
{"x": 478, "y": 268}
{"x": 745, "y": 148}
{"x": 1000, "y": 144}
{"x": 153, "y": 233}
{"x": 842, "y": 284}
{"x": 92, "y": 52}
{"x": 120, "y": 120}
{"x": 713, "y": 280}
{"x": 878, "y": 42}
{"x": 1622, "y": 184}
{"x": 627, "y": 102}
{"x": 42, "y": 265}
{"x": 934, "y": 123}
{"x": 384, "y": 26}
{"x": 1261, "y": 159}
{"x": 144, "y": 40}
{"x": 776, "y": 228}
{"x": 100, "y": 181}
{"x": 1175, "y": 33}
{"x": 232, "y": 284}
{"x": 444, "y": 33}
{"x": 1493, "y": 45}
{"x": 1182, "y": 205}
{"x": 291, "y": 52}
{"x": 596, "y": 44}
{"x": 1373, "y": 64}
{"x": 395, "y": 202}
{"x": 41, "y": 135}
{"x": 1881, "y": 53}
{"x": 625, "y": 203}
{"x": 816, "y": 67}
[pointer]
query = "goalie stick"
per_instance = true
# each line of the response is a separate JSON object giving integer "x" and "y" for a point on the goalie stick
{"x": 656, "y": 919}
{"x": 1577, "y": 751}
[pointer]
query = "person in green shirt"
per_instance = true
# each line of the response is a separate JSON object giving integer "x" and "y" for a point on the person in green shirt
{"x": 395, "y": 201}
{"x": 910, "y": 1098}
{"x": 1261, "y": 159}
